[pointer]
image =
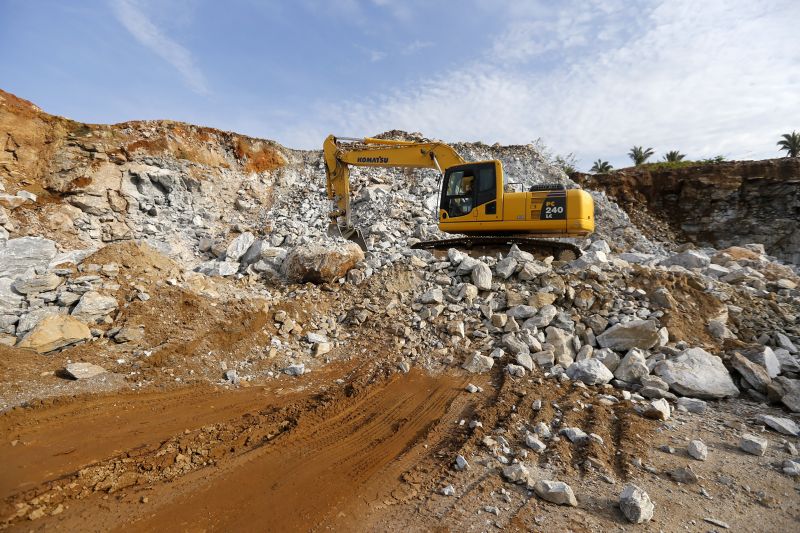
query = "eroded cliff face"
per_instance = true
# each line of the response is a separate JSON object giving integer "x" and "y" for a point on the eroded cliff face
{"x": 162, "y": 181}
{"x": 720, "y": 204}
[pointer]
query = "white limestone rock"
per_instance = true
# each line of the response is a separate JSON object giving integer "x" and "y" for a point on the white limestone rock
{"x": 697, "y": 373}
{"x": 635, "y": 504}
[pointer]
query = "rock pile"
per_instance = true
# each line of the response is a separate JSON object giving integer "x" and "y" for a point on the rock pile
{"x": 45, "y": 305}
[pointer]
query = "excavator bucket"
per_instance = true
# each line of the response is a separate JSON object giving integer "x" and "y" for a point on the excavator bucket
{"x": 351, "y": 234}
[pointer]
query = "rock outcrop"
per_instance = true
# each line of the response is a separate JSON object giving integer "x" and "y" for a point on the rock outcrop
{"x": 713, "y": 204}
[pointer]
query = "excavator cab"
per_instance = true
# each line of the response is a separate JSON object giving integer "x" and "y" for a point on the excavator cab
{"x": 473, "y": 201}
{"x": 469, "y": 193}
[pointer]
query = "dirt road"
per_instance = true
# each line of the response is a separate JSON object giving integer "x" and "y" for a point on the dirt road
{"x": 359, "y": 447}
{"x": 284, "y": 459}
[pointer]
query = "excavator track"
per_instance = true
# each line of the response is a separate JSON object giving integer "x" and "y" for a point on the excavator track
{"x": 562, "y": 251}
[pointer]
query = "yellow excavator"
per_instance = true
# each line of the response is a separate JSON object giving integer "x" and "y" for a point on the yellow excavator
{"x": 473, "y": 200}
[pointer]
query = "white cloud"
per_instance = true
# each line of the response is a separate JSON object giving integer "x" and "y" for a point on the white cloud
{"x": 152, "y": 37}
{"x": 415, "y": 46}
{"x": 376, "y": 55}
{"x": 706, "y": 78}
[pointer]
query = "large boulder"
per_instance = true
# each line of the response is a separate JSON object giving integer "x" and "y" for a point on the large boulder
{"x": 253, "y": 254}
{"x": 562, "y": 343}
{"x": 215, "y": 267}
{"x": 514, "y": 345}
{"x": 29, "y": 320}
{"x": 789, "y": 392}
{"x": 482, "y": 276}
{"x": 556, "y": 492}
{"x": 320, "y": 264}
{"x": 635, "y": 504}
{"x": 533, "y": 269}
{"x": 695, "y": 372}
{"x": 54, "y": 332}
{"x": 506, "y": 267}
{"x": 634, "y": 334}
{"x": 478, "y": 363}
{"x": 84, "y": 370}
{"x": 18, "y": 255}
{"x": 688, "y": 259}
{"x": 543, "y": 317}
{"x": 765, "y": 357}
{"x": 521, "y": 312}
{"x": 633, "y": 367}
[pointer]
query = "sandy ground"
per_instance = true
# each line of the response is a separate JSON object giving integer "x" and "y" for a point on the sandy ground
{"x": 357, "y": 447}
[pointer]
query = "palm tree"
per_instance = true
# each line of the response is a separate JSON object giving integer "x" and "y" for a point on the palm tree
{"x": 790, "y": 143}
{"x": 639, "y": 155}
{"x": 601, "y": 167}
{"x": 673, "y": 156}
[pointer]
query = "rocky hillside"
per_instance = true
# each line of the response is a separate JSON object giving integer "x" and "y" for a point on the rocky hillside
{"x": 713, "y": 204}
{"x": 148, "y": 258}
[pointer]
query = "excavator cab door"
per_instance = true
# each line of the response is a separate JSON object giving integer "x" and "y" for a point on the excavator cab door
{"x": 486, "y": 193}
{"x": 469, "y": 193}
{"x": 458, "y": 196}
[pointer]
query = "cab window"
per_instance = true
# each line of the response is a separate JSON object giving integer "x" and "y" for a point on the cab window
{"x": 486, "y": 179}
{"x": 460, "y": 183}
{"x": 459, "y": 197}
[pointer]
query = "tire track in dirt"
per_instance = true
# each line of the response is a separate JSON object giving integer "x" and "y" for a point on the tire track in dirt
{"x": 293, "y": 460}
{"x": 507, "y": 410}
{"x": 323, "y": 471}
{"x": 51, "y": 436}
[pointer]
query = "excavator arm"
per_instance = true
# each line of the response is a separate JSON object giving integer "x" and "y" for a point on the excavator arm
{"x": 369, "y": 152}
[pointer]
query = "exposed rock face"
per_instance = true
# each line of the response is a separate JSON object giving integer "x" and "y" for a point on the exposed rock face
{"x": 719, "y": 204}
{"x": 54, "y": 332}
{"x": 320, "y": 264}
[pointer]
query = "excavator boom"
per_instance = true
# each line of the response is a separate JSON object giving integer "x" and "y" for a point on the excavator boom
{"x": 375, "y": 153}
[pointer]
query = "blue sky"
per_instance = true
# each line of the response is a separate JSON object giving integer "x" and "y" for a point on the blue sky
{"x": 591, "y": 77}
